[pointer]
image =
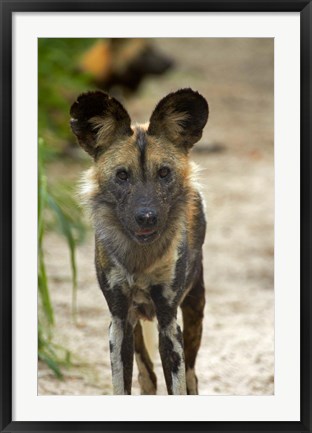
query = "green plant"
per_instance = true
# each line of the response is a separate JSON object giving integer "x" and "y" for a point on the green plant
{"x": 54, "y": 355}
{"x": 59, "y": 83}
{"x": 57, "y": 209}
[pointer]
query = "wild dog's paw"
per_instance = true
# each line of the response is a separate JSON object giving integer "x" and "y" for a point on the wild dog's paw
{"x": 98, "y": 119}
{"x": 180, "y": 117}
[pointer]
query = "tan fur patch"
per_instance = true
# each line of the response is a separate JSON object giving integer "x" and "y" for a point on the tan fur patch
{"x": 173, "y": 126}
{"x": 115, "y": 338}
{"x": 106, "y": 126}
{"x": 124, "y": 154}
{"x": 161, "y": 152}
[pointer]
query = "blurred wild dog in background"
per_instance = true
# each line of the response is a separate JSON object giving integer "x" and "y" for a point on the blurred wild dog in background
{"x": 149, "y": 230}
{"x": 123, "y": 63}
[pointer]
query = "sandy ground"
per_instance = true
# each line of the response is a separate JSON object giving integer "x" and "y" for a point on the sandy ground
{"x": 237, "y": 177}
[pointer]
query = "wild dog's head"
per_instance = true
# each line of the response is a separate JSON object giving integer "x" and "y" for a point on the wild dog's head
{"x": 141, "y": 174}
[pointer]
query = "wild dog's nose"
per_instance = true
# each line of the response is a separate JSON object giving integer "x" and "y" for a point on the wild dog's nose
{"x": 146, "y": 217}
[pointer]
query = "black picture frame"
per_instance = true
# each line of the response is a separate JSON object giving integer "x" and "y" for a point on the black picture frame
{"x": 7, "y": 10}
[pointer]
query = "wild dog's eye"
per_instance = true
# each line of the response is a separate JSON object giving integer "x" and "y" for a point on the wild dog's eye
{"x": 122, "y": 175}
{"x": 163, "y": 172}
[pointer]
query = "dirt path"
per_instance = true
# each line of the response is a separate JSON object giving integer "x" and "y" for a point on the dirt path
{"x": 237, "y": 353}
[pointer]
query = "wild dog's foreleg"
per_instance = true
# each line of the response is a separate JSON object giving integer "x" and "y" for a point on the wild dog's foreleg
{"x": 147, "y": 377}
{"x": 121, "y": 354}
{"x": 172, "y": 357}
{"x": 170, "y": 342}
{"x": 121, "y": 342}
{"x": 193, "y": 313}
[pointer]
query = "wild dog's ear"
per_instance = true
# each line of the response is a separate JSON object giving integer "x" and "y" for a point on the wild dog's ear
{"x": 97, "y": 119}
{"x": 180, "y": 117}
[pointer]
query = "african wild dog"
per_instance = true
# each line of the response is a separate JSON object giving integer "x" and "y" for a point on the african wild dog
{"x": 149, "y": 230}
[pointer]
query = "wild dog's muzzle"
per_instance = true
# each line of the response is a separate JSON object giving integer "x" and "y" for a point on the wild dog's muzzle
{"x": 146, "y": 218}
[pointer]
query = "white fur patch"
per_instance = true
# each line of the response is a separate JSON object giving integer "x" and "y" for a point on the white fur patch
{"x": 178, "y": 383}
{"x": 178, "y": 379}
{"x": 87, "y": 187}
{"x": 115, "y": 338}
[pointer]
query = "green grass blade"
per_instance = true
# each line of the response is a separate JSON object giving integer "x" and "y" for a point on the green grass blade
{"x": 44, "y": 290}
{"x": 66, "y": 229}
{"x": 52, "y": 364}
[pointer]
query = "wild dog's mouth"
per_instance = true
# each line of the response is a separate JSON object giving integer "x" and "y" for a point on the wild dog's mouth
{"x": 146, "y": 235}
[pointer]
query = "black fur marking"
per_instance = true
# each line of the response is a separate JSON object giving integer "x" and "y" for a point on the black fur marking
{"x": 118, "y": 303}
{"x": 179, "y": 336}
{"x": 141, "y": 139}
{"x": 175, "y": 362}
{"x": 97, "y": 103}
{"x": 92, "y": 104}
{"x": 165, "y": 313}
{"x": 171, "y": 360}
{"x": 127, "y": 356}
{"x": 180, "y": 275}
{"x": 183, "y": 101}
{"x": 173, "y": 357}
{"x": 200, "y": 224}
{"x": 111, "y": 347}
{"x": 198, "y": 240}
{"x": 101, "y": 276}
{"x": 164, "y": 349}
{"x": 141, "y": 142}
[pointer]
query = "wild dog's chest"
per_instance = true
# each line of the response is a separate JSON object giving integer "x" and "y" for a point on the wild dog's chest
{"x": 137, "y": 286}
{"x": 134, "y": 285}
{"x": 138, "y": 283}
